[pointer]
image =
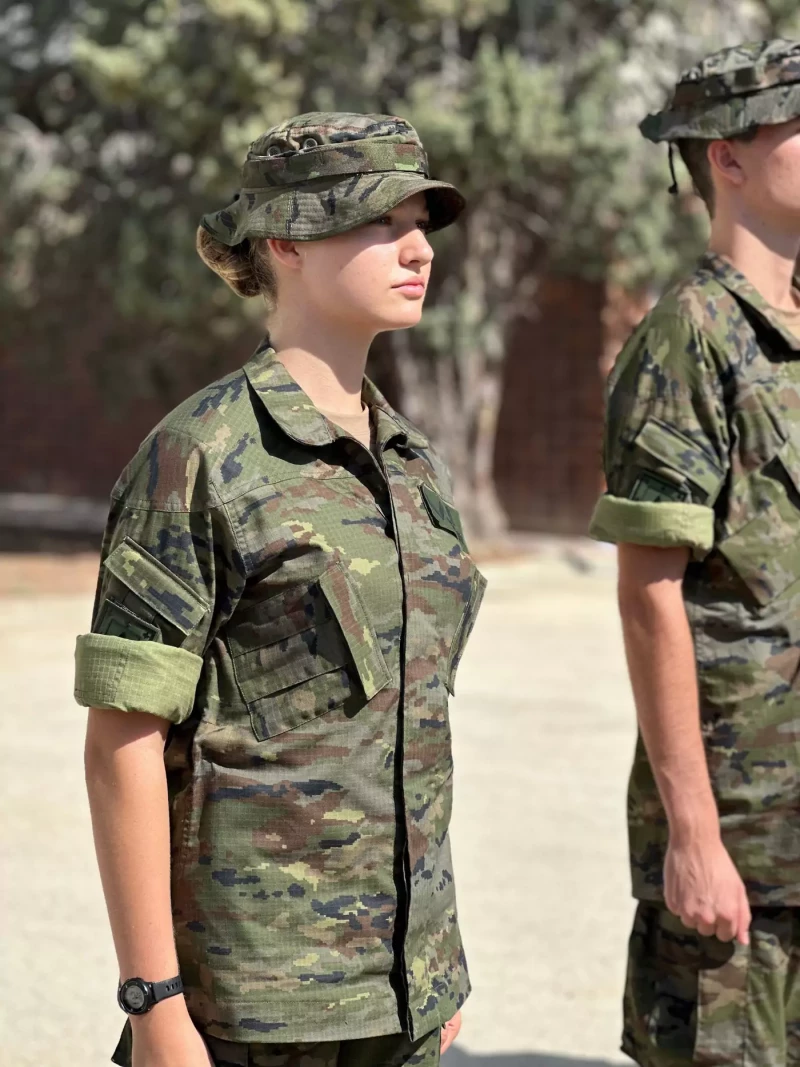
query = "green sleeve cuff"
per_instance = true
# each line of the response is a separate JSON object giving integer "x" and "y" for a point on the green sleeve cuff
{"x": 661, "y": 524}
{"x": 114, "y": 672}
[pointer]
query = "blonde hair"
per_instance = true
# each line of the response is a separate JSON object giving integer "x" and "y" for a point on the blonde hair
{"x": 247, "y": 267}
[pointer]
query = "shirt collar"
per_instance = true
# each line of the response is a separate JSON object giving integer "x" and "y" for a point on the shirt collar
{"x": 299, "y": 419}
{"x": 736, "y": 283}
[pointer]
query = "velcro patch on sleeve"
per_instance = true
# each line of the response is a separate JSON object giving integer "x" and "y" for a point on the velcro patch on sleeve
{"x": 653, "y": 488}
{"x": 154, "y": 583}
{"x": 677, "y": 452}
{"x": 116, "y": 620}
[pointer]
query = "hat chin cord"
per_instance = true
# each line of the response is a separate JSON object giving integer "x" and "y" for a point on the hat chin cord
{"x": 673, "y": 189}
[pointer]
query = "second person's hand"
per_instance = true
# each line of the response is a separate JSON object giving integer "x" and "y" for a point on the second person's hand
{"x": 704, "y": 889}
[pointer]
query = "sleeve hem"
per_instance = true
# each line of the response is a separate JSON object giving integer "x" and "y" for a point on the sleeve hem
{"x": 661, "y": 524}
{"x": 117, "y": 673}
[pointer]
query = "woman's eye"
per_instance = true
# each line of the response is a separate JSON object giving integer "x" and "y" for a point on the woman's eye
{"x": 387, "y": 220}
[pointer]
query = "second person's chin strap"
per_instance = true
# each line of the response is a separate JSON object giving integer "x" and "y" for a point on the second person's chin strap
{"x": 673, "y": 189}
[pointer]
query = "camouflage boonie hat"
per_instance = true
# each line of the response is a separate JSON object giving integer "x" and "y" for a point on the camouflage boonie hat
{"x": 320, "y": 174}
{"x": 731, "y": 92}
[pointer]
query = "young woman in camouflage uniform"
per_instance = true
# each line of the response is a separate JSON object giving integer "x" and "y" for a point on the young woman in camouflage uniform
{"x": 702, "y": 458}
{"x": 284, "y": 598}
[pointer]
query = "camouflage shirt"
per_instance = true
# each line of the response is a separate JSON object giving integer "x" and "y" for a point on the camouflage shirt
{"x": 297, "y": 608}
{"x": 702, "y": 449}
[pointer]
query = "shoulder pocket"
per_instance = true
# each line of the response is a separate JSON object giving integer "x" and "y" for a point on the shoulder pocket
{"x": 164, "y": 592}
{"x": 304, "y": 652}
{"x": 443, "y": 515}
{"x": 678, "y": 453}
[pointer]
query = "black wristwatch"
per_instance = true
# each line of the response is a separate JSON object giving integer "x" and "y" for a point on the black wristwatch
{"x": 137, "y": 997}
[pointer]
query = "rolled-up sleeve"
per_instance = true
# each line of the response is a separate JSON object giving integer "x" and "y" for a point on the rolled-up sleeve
{"x": 660, "y": 524}
{"x": 170, "y": 575}
{"x": 116, "y": 672}
{"x": 666, "y": 441}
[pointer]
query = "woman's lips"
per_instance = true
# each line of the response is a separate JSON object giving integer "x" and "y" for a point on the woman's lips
{"x": 411, "y": 288}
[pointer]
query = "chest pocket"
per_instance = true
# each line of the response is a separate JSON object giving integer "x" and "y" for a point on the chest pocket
{"x": 765, "y": 551}
{"x": 459, "y": 585}
{"x": 304, "y": 652}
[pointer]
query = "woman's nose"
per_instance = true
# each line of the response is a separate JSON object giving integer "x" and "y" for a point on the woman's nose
{"x": 415, "y": 247}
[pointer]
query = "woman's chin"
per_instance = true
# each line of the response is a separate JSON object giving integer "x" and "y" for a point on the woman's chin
{"x": 402, "y": 319}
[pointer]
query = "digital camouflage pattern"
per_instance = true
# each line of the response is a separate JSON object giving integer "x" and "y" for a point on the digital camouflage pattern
{"x": 314, "y": 610}
{"x": 732, "y": 91}
{"x": 320, "y": 174}
{"x": 697, "y": 1000}
{"x": 392, "y": 1050}
{"x": 704, "y": 400}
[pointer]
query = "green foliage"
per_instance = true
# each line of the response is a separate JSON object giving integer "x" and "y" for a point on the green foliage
{"x": 124, "y": 120}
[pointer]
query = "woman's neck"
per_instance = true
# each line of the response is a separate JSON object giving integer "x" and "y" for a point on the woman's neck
{"x": 327, "y": 361}
{"x": 766, "y": 259}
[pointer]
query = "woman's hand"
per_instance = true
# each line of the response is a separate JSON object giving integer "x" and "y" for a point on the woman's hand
{"x": 167, "y": 1037}
{"x": 450, "y": 1031}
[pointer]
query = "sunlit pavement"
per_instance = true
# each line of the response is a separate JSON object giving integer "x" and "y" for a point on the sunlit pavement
{"x": 543, "y": 735}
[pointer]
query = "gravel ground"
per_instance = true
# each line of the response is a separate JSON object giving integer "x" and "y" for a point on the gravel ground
{"x": 543, "y": 727}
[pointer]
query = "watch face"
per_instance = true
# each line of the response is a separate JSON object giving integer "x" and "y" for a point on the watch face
{"x": 133, "y": 996}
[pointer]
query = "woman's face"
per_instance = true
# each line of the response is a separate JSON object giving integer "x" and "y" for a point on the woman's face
{"x": 373, "y": 277}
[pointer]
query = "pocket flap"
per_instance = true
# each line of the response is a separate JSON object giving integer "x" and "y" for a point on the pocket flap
{"x": 681, "y": 454}
{"x": 277, "y": 618}
{"x": 765, "y": 551}
{"x": 765, "y": 566}
{"x": 465, "y": 627}
{"x": 790, "y": 458}
{"x": 443, "y": 514}
{"x": 290, "y": 662}
{"x": 346, "y": 604}
{"x": 156, "y": 585}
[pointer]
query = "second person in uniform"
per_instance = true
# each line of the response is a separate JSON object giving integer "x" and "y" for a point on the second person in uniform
{"x": 702, "y": 459}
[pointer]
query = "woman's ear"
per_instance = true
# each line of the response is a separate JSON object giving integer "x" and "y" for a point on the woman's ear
{"x": 723, "y": 158}
{"x": 285, "y": 252}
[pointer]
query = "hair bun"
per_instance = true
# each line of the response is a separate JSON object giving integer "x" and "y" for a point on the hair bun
{"x": 245, "y": 267}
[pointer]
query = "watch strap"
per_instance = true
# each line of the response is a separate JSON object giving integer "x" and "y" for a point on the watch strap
{"x": 170, "y": 987}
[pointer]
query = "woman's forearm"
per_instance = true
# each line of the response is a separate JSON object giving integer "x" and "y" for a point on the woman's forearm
{"x": 126, "y": 783}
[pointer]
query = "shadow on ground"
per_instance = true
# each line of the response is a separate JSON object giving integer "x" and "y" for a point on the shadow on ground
{"x": 460, "y": 1058}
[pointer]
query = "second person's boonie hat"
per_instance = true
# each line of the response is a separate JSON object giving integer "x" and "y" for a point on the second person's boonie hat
{"x": 730, "y": 92}
{"x": 323, "y": 173}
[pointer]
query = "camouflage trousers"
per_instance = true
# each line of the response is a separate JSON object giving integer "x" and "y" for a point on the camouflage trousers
{"x": 694, "y": 999}
{"x": 392, "y": 1050}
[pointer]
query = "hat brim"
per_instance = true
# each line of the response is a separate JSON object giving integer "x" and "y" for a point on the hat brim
{"x": 728, "y": 118}
{"x": 325, "y": 207}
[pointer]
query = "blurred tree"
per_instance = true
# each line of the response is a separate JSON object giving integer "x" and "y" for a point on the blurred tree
{"x": 124, "y": 120}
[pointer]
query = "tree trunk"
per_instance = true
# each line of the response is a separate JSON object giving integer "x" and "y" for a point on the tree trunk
{"x": 462, "y": 430}
{"x": 483, "y": 512}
